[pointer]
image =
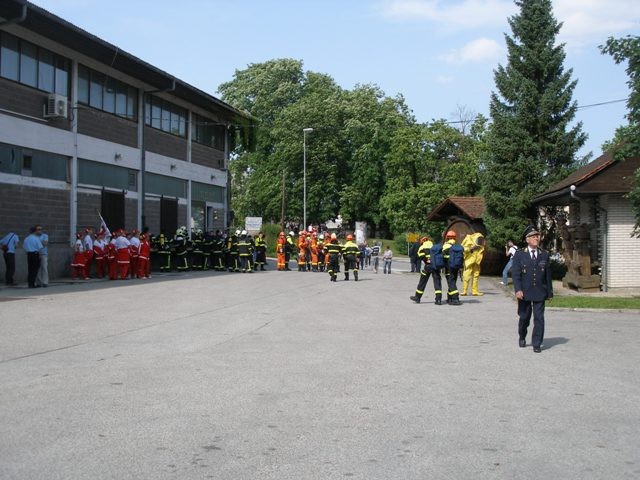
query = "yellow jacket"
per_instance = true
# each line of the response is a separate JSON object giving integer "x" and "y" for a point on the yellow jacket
{"x": 473, "y": 245}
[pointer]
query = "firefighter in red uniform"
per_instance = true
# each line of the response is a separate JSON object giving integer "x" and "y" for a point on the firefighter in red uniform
{"x": 100, "y": 254}
{"x": 134, "y": 252}
{"x": 122, "y": 254}
{"x": 144, "y": 267}
{"x": 79, "y": 258}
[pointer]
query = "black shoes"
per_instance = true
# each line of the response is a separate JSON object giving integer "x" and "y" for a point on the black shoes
{"x": 414, "y": 298}
{"x": 438, "y": 301}
{"x": 537, "y": 349}
{"x": 522, "y": 342}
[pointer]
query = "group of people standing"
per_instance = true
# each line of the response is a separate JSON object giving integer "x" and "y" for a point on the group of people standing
{"x": 119, "y": 255}
{"x": 36, "y": 246}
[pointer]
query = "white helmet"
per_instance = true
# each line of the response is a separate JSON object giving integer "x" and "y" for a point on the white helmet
{"x": 237, "y": 232}
{"x": 321, "y": 237}
{"x": 291, "y": 233}
{"x": 244, "y": 232}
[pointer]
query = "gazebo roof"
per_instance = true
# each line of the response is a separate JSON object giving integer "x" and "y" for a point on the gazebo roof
{"x": 471, "y": 207}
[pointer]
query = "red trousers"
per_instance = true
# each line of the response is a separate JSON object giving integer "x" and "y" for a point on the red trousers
{"x": 123, "y": 262}
{"x": 144, "y": 267}
{"x": 100, "y": 266}
{"x": 113, "y": 268}
{"x": 134, "y": 267}
{"x": 87, "y": 264}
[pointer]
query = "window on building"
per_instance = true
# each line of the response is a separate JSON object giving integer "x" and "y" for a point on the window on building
{"x": 208, "y": 132}
{"x": 207, "y": 193}
{"x": 31, "y": 65}
{"x": 163, "y": 185}
{"x": 33, "y": 163}
{"x": 105, "y": 93}
{"x": 105, "y": 175}
{"x": 165, "y": 116}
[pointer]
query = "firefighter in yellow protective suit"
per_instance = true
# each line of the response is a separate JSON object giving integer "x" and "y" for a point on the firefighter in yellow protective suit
{"x": 473, "y": 245}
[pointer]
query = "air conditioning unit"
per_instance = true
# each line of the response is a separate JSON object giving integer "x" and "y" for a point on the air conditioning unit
{"x": 56, "y": 106}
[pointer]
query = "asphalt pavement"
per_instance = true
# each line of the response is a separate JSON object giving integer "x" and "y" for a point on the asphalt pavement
{"x": 284, "y": 375}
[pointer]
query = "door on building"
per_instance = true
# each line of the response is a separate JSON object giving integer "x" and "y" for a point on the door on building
{"x": 168, "y": 216}
{"x": 112, "y": 209}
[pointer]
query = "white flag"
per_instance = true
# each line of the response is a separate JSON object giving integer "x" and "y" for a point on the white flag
{"x": 103, "y": 227}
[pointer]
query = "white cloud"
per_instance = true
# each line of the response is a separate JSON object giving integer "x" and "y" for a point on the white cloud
{"x": 477, "y": 51}
{"x": 586, "y": 22}
{"x": 456, "y": 15}
{"x": 590, "y": 22}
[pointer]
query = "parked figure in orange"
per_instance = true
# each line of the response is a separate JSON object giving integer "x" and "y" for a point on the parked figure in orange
{"x": 314, "y": 252}
{"x": 302, "y": 252}
{"x": 280, "y": 251}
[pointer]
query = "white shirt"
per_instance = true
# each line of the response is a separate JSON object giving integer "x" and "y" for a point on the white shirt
{"x": 122, "y": 242}
{"x": 532, "y": 251}
{"x": 135, "y": 241}
{"x": 88, "y": 242}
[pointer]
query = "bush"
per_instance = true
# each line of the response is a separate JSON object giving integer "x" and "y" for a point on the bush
{"x": 271, "y": 232}
{"x": 399, "y": 245}
{"x": 558, "y": 269}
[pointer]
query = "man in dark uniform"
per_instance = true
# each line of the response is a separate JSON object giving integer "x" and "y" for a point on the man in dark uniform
{"x": 333, "y": 249}
{"x": 531, "y": 274}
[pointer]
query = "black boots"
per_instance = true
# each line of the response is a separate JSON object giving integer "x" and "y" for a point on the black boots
{"x": 415, "y": 298}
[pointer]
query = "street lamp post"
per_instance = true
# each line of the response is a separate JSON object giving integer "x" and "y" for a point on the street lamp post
{"x": 304, "y": 175}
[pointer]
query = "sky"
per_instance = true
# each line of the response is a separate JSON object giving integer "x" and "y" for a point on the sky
{"x": 439, "y": 54}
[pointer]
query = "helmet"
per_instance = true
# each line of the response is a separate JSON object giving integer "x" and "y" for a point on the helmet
{"x": 424, "y": 239}
{"x": 243, "y": 232}
{"x": 349, "y": 237}
{"x": 291, "y": 233}
{"x": 237, "y": 232}
{"x": 450, "y": 234}
{"x": 321, "y": 237}
{"x": 334, "y": 236}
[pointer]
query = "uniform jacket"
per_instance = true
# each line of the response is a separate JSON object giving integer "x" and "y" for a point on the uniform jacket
{"x": 533, "y": 279}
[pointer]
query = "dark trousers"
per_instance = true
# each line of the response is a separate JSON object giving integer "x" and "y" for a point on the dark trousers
{"x": 424, "y": 279}
{"x": 525, "y": 309}
{"x": 33, "y": 265}
{"x": 333, "y": 265}
{"x": 452, "y": 280}
{"x": 10, "y": 264}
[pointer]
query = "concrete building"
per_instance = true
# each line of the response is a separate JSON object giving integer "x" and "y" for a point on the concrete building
{"x": 86, "y": 127}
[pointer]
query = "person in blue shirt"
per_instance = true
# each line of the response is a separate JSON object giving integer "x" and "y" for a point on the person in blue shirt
{"x": 33, "y": 245}
{"x": 42, "y": 279}
{"x": 8, "y": 244}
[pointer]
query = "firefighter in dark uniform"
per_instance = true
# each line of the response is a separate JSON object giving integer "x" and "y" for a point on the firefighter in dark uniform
{"x": 179, "y": 248}
{"x": 333, "y": 250}
{"x": 289, "y": 247}
{"x": 350, "y": 253}
{"x": 532, "y": 284}
{"x": 233, "y": 264}
{"x": 218, "y": 251}
{"x": 424, "y": 254}
{"x": 197, "y": 259}
{"x": 207, "y": 249}
{"x": 451, "y": 274}
{"x": 244, "y": 252}
{"x": 164, "y": 252}
{"x": 261, "y": 251}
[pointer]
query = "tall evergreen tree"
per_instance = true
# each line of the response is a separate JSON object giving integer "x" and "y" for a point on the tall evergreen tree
{"x": 531, "y": 142}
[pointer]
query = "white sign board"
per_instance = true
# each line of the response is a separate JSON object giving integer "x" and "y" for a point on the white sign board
{"x": 253, "y": 224}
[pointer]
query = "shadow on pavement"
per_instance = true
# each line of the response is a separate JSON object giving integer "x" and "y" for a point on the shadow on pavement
{"x": 553, "y": 341}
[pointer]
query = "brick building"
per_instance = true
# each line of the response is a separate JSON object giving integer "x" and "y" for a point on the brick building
{"x": 86, "y": 127}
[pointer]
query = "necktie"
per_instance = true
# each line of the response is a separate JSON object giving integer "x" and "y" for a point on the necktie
{"x": 533, "y": 255}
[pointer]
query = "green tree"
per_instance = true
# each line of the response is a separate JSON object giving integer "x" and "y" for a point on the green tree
{"x": 627, "y": 139}
{"x": 426, "y": 164}
{"x": 531, "y": 143}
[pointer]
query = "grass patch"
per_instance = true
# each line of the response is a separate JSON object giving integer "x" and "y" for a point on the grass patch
{"x": 578, "y": 301}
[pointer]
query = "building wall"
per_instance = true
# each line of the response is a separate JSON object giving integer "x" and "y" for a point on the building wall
{"x": 165, "y": 144}
{"x": 622, "y": 252}
{"x": 23, "y": 206}
{"x": 108, "y": 127}
{"x": 206, "y": 156}
{"x": 25, "y": 100}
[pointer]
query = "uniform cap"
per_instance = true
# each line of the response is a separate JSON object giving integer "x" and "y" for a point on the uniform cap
{"x": 529, "y": 231}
